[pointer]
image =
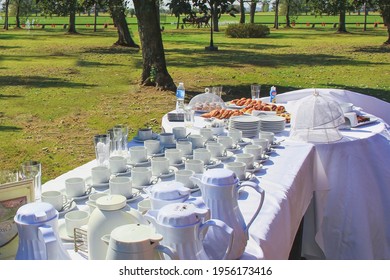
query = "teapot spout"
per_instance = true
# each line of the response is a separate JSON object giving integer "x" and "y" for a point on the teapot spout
{"x": 151, "y": 217}
{"x": 197, "y": 180}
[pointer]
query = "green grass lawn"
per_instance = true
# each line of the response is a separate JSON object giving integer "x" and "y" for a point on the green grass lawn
{"x": 58, "y": 90}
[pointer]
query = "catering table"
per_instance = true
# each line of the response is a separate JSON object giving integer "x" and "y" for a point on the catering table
{"x": 342, "y": 189}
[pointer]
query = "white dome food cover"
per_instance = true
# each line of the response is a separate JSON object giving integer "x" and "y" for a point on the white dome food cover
{"x": 206, "y": 102}
{"x": 316, "y": 119}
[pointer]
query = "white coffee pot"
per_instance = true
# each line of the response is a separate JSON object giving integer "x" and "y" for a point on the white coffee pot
{"x": 111, "y": 211}
{"x": 37, "y": 225}
{"x": 136, "y": 242}
{"x": 220, "y": 189}
{"x": 183, "y": 228}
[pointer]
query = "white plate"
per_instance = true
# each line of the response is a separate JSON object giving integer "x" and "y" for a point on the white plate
{"x": 135, "y": 194}
{"x": 262, "y": 159}
{"x": 171, "y": 172}
{"x": 214, "y": 162}
{"x": 72, "y": 206}
{"x": 156, "y": 155}
{"x": 269, "y": 151}
{"x": 124, "y": 173}
{"x": 257, "y": 167}
{"x": 101, "y": 186}
{"x": 244, "y": 141}
{"x": 234, "y": 106}
{"x": 234, "y": 149}
{"x": 372, "y": 120}
{"x": 153, "y": 182}
{"x": 227, "y": 156}
{"x": 77, "y": 198}
{"x": 138, "y": 140}
{"x": 62, "y": 231}
{"x": 139, "y": 164}
{"x": 180, "y": 164}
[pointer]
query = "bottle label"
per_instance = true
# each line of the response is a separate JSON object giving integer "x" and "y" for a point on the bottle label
{"x": 180, "y": 94}
{"x": 272, "y": 94}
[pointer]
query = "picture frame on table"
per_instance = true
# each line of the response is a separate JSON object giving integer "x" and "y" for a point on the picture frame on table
{"x": 12, "y": 196}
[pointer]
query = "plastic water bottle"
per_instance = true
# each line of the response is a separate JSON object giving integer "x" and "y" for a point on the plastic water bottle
{"x": 272, "y": 94}
{"x": 180, "y": 94}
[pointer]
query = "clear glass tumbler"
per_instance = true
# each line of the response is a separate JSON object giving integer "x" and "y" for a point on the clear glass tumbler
{"x": 255, "y": 91}
{"x": 32, "y": 169}
{"x": 102, "y": 143}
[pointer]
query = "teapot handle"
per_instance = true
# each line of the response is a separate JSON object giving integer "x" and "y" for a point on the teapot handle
{"x": 46, "y": 233}
{"x": 168, "y": 251}
{"x": 222, "y": 225}
{"x": 261, "y": 192}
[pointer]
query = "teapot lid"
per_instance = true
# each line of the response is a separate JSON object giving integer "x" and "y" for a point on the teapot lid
{"x": 169, "y": 190}
{"x": 111, "y": 202}
{"x": 180, "y": 214}
{"x": 219, "y": 177}
{"x": 35, "y": 213}
{"x": 133, "y": 238}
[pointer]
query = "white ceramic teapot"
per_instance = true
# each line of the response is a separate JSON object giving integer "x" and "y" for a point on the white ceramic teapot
{"x": 37, "y": 225}
{"x": 219, "y": 189}
{"x": 111, "y": 212}
{"x": 136, "y": 242}
{"x": 168, "y": 192}
{"x": 183, "y": 229}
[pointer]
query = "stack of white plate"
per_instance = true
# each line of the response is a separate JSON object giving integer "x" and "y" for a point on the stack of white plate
{"x": 272, "y": 123}
{"x": 249, "y": 125}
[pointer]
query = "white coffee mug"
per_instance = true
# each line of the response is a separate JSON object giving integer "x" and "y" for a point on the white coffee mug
{"x": 264, "y": 143}
{"x": 179, "y": 132}
{"x": 236, "y": 135}
{"x": 145, "y": 133}
{"x": 55, "y": 198}
{"x": 175, "y": 156}
{"x": 216, "y": 149}
{"x": 167, "y": 138}
{"x": 226, "y": 141}
{"x": 183, "y": 176}
{"x": 118, "y": 164}
{"x": 75, "y": 187}
{"x": 121, "y": 185}
{"x": 152, "y": 147}
{"x": 75, "y": 219}
{"x": 143, "y": 206}
{"x": 207, "y": 133}
{"x": 248, "y": 159}
{"x": 202, "y": 154}
{"x": 138, "y": 154}
{"x": 185, "y": 146}
{"x": 255, "y": 150}
{"x": 195, "y": 165}
{"x": 100, "y": 175}
{"x": 267, "y": 135}
{"x": 238, "y": 168}
{"x": 141, "y": 176}
{"x": 160, "y": 165}
{"x": 197, "y": 141}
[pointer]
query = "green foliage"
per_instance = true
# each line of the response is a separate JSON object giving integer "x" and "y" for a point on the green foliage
{"x": 247, "y": 30}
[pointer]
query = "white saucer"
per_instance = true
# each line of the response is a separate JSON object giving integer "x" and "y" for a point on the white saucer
{"x": 157, "y": 155}
{"x": 62, "y": 231}
{"x": 153, "y": 182}
{"x": 269, "y": 151}
{"x": 140, "y": 164}
{"x": 178, "y": 165}
{"x": 257, "y": 167}
{"x": 135, "y": 194}
{"x": 72, "y": 206}
{"x": 101, "y": 185}
{"x": 138, "y": 140}
{"x": 244, "y": 141}
{"x": 214, "y": 162}
{"x": 77, "y": 198}
{"x": 262, "y": 159}
{"x": 227, "y": 156}
{"x": 124, "y": 173}
{"x": 234, "y": 149}
{"x": 249, "y": 176}
{"x": 171, "y": 172}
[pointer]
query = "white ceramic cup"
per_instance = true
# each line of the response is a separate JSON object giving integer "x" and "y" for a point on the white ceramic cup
{"x": 238, "y": 168}
{"x": 248, "y": 159}
{"x": 75, "y": 219}
{"x": 143, "y": 206}
{"x": 91, "y": 202}
{"x": 160, "y": 165}
{"x": 55, "y": 198}
{"x": 185, "y": 146}
{"x": 145, "y": 133}
{"x": 152, "y": 147}
{"x": 138, "y": 154}
{"x": 197, "y": 141}
{"x": 202, "y": 154}
{"x": 264, "y": 143}
{"x": 183, "y": 176}
{"x": 195, "y": 165}
{"x": 255, "y": 150}
{"x": 216, "y": 149}
{"x": 226, "y": 141}
{"x": 100, "y": 175}
{"x": 167, "y": 138}
{"x": 179, "y": 132}
{"x": 207, "y": 133}
{"x": 175, "y": 156}
{"x": 141, "y": 176}
{"x": 118, "y": 164}
{"x": 121, "y": 185}
{"x": 267, "y": 135}
{"x": 235, "y": 134}
{"x": 75, "y": 187}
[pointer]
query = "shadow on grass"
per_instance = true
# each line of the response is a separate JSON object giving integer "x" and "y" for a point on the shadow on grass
{"x": 235, "y": 58}
{"x": 83, "y": 63}
{"x": 379, "y": 49}
{"x": 113, "y": 50}
{"x": 6, "y": 128}
{"x": 39, "y": 82}
{"x": 3, "y": 96}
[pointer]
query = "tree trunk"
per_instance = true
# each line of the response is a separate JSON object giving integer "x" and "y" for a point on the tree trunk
{"x": 365, "y": 17}
{"x": 152, "y": 46}
{"x": 17, "y": 16}
{"x": 253, "y": 11}
{"x": 242, "y": 12}
{"x": 288, "y": 14}
{"x": 215, "y": 18}
{"x": 342, "y": 28}
{"x": 95, "y": 17}
{"x": 276, "y": 23}
{"x": 6, "y": 15}
{"x": 72, "y": 17}
{"x": 118, "y": 15}
{"x": 178, "y": 22}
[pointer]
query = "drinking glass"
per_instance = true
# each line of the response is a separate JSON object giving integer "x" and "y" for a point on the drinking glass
{"x": 32, "y": 169}
{"x": 102, "y": 144}
{"x": 118, "y": 139}
{"x": 255, "y": 91}
{"x": 189, "y": 117}
{"x": 217, "y": 90}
